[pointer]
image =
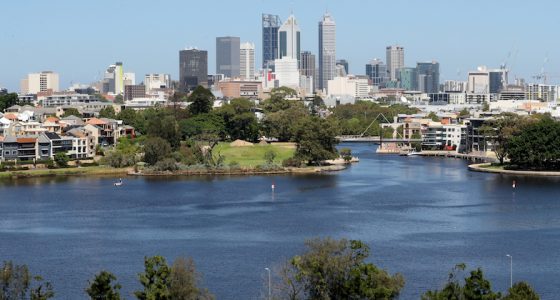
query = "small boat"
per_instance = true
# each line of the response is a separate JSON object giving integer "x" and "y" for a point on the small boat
{"x": 118, "y": 183}
{"x": 413, "y": 153}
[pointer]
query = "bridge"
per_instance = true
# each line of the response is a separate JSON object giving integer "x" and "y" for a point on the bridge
{"x": 373, "y": 139}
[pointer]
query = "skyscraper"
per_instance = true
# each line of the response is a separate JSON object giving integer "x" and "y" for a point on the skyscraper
{"x": 327, "y": 50}
{"x": 247, "y": 61}
{"x": 289, "y": 39}
{"x": 395, "y": 60}
{"x": 307, "y": 66}
{"x": 227, "y": 56}
{"x": 407, "y": 78}
{"x": 270, "y": 26}
{"x": 113, "y": 79}
{"x": 193, "y": 69}
{"x": 344, "y": 63}
{"x": 428, "y": 76}
{"x": 376, "y": 70}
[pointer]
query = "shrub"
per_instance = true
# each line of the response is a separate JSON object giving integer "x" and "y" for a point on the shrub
{"x": 167, "y": 164}
{"x": 292, "y": 162}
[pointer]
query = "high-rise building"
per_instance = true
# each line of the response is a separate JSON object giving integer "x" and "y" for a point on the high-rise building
{"x": 113, "y": 79}
{"x": 498, "y": 80}
{"x": 327, "y": 50}
{"x": 407, "y": 78}
{"x": 289, "y": 39}
{"x": 270, "y": 26}
{"x": 193, "y": 69}
{"x": 307, "y": 66}
{"x": 129, "y": 79}
{"x": 247, "y": 61}
{"x": 39, "y": 82}
{"x": 376, "y": 70}
{"x": 344, "y": 63}
{"x": 157, "y": 81}
{"x": 227, "y": 56}
{"x": 395, "y": 60}
{"x": 428, "y": 76}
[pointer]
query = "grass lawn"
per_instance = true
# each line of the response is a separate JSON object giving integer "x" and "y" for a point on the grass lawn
{"x": 252, "y": 156}
{"x": 494, "y": 167}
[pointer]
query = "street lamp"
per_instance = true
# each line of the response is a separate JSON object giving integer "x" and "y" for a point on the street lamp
{"x": 510, "y": 270}
{"x": 269, "y": 287}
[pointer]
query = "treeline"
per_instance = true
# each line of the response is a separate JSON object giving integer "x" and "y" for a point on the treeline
{"x": 528, "y": 142}
{"x": 328, "y": 269}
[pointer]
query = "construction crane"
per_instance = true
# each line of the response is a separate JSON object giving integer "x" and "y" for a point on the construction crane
{"x": 543, "y": 75}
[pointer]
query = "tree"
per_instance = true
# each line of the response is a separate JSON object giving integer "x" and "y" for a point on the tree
{"x": 281, "y": 124}
{"x": 464, "y": 113}
{"x": 336, "y": 269}
{"x": 500, "y": 130}
{"x": 71, "y": 112}
{"x": 201, "y": 101}
{"x": 537, "y": 146}
{"x": 269, "y": 157}
{"x": 107, "y": 112}
{"x": 184, "y": 281}
{"x": 8, "y": 100}
{"x": 128, "y": 116}
{"x": 16, "y": 283}
{"x": 485, "y": 106}
{"x": 160, "y": 124}
{"x": 476, "y": 287}
{"x": 119, "y": 99}
{"x": 155, "y": 149}
{"x": 240, "y": 121}
{"x": 277, "y": 100}
{"x": 203, "y": 124}
{"x": 103, "y": 287}
{"x": 154, "y": 280}
{"x": 346, "y": 154}
{"x": 433, "y": 117}
{"x": 521, "y": 291}
{"x": 316, "y": 140}
{"x": 61, "y": 159}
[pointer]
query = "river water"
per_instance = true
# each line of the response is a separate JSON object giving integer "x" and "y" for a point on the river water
{"x": 420, "y": 216}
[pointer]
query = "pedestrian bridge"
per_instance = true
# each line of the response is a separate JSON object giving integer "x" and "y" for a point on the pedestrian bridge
{"x": 373, "y": 139}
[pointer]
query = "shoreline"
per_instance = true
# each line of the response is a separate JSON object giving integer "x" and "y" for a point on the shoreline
{"x": 484, "y": 169}
{"x": 242, "y": 172}
{"x": 102, "y": 171}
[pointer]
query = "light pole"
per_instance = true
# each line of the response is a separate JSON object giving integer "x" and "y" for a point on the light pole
{"x": 510, "y": 270}
{"x": 269, "y": 287}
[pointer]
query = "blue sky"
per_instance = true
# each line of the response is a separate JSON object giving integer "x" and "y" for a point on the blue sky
{"x": 79, "y": 39}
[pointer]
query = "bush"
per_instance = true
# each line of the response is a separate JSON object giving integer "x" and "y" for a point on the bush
{"x": 61, "y": 159}
{"x": 233, "y": 165}
{"x": 269, "y": 157}
{"x": 167, "y": 164}
{"x": 292, "y": 162}
{"x": 118, "y": 159}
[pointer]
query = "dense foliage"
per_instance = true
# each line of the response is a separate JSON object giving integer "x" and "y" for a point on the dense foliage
{"x": 8, "y": 100}
{"x": 537, "y": 147}
{"x": 335, "y": 269}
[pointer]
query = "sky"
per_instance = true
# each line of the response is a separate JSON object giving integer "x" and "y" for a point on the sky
{"x": 79, "y": 39}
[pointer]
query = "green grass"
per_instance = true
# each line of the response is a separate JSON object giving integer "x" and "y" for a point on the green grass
{"x": 97, "y": 170}
{"x": 493, "y": 166}
{"x": 252, "y": 156}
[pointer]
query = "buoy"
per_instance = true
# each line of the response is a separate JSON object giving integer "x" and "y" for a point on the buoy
{"x": 513, "y": 184}
{"x": 272, "y": 186}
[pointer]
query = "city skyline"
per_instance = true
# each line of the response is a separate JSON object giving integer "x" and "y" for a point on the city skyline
{"x": 475, "y": 44}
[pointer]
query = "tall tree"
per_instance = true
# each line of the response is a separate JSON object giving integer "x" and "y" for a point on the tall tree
{"x": 155, "y": 149}
{"x": 316, "y": 139}
{"x": 537, "y": 146}
{"x": 103, "y": 287}
{"x": 16, "y": 282}
{"x": 107, "y": 112}
{"x": 8, "y": 100}
{"x": 476, "y": 287}
{"x": 336, "y": 269}
{"x": 184, "y": 281}
{"x": 201, "y": 101}
{"x": 154, "y": 280}
{"x": 521, "y": 291}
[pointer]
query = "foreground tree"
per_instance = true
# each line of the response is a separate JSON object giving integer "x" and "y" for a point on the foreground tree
{"x": 16, "y": 282}
{"x": 521, "y": 291}
{"x": 103, "y": 287}
{"x": 476, "y": 287}
{"x": 336, "y": 269}
{"x": 184, "y": 281}
{"x": 154, "y": 280}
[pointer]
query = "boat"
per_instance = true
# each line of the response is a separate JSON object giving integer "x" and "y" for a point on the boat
{"x": 413, "y": 153}
{"x": 118, "y": 183}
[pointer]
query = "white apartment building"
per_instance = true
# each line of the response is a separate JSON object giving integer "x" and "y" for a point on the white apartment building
{"x": 542, "y": 92}
{"x": 287, "y": 73}
{"x": 39, "y": 82}
{"x": 348, "y": 86}
{"x": 156, "y": 81}
{"x": 247, "y": 61}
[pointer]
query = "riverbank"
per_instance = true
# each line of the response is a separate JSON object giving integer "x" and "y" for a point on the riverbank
{"x": 453, "y": 154}
{"x": 242, "y": 171}
{"x": 78, "y": 171}
{"x": 489, "y": 168}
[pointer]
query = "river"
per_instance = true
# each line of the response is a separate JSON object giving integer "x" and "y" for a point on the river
{"x": 420, "y": 216}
